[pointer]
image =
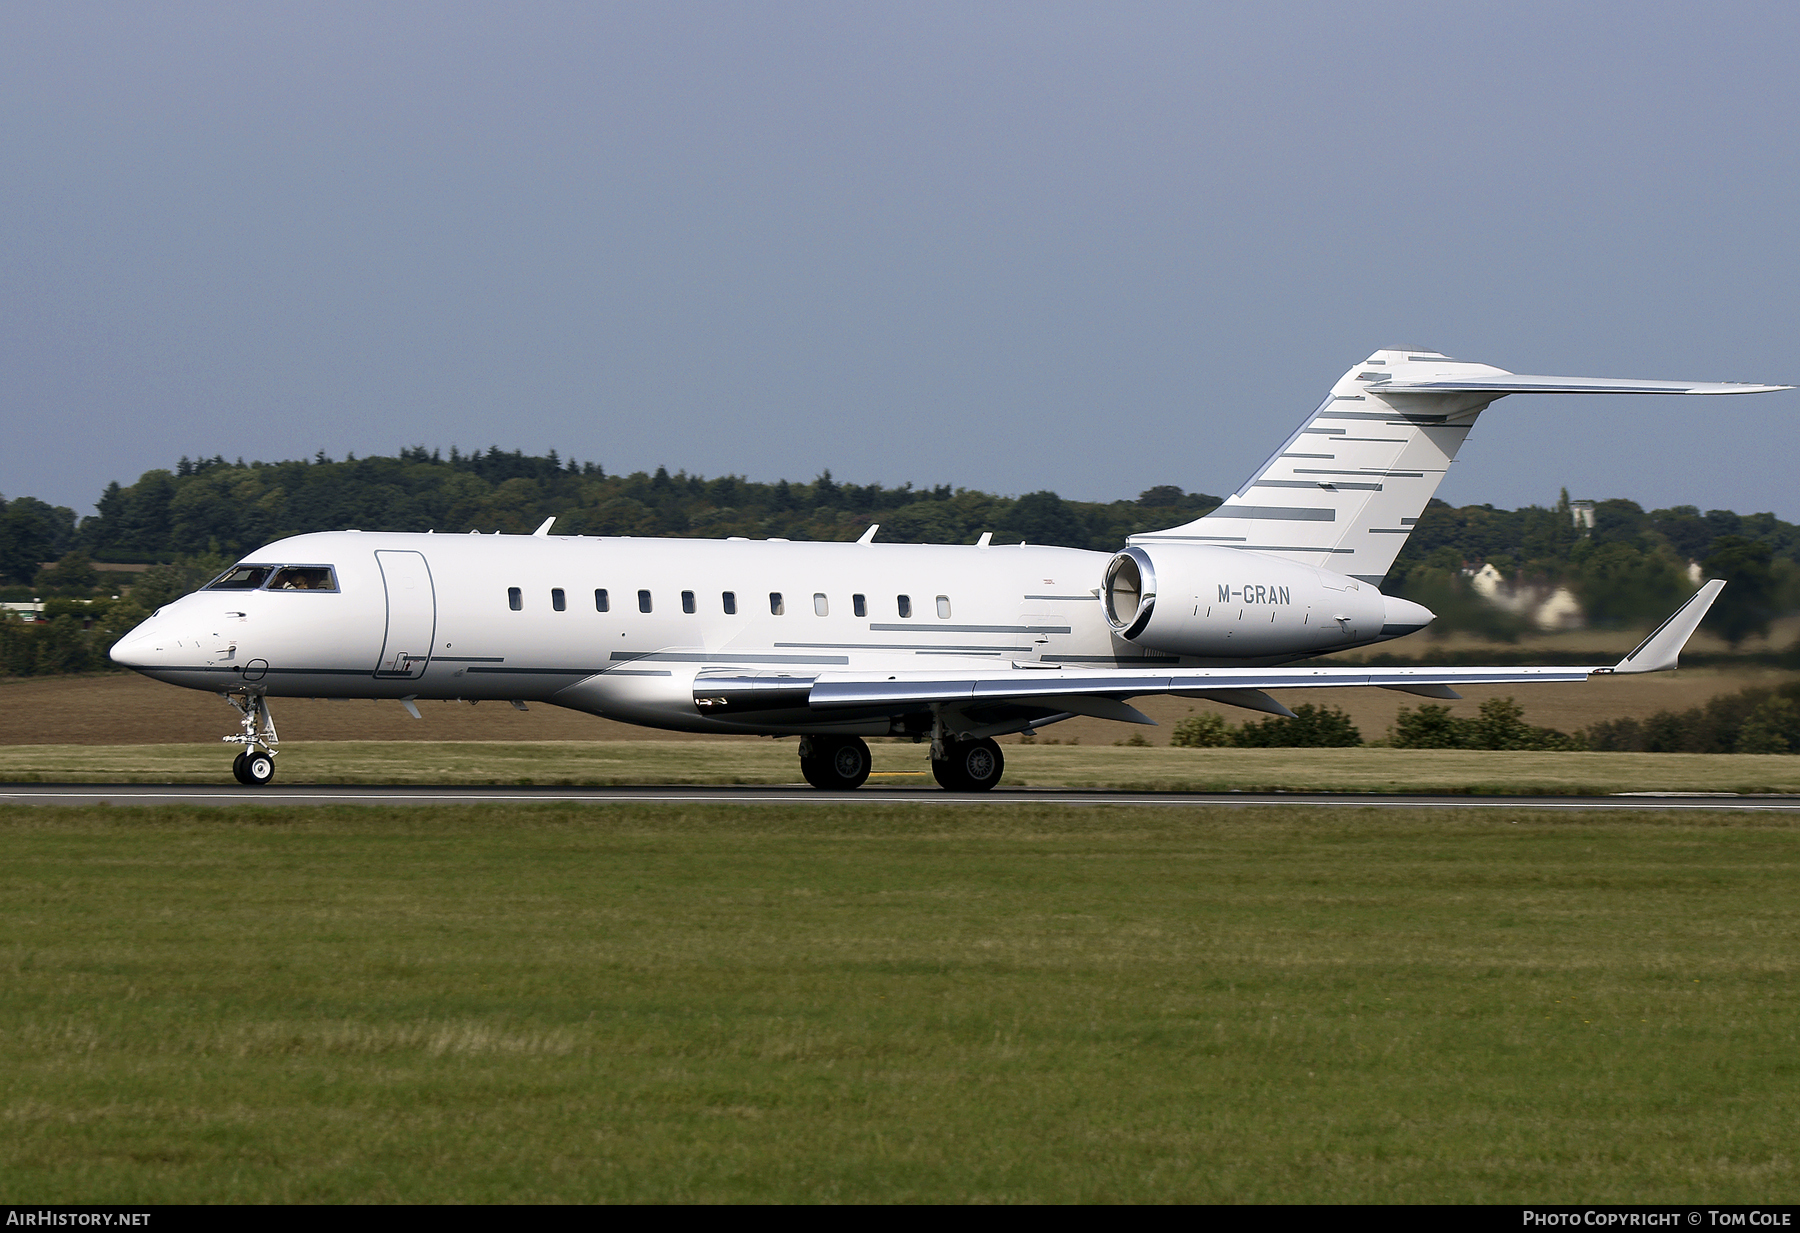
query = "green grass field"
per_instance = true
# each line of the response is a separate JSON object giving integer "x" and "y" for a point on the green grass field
{"x": 1164, "y": 768}
{"x": 1030, "y": 1003}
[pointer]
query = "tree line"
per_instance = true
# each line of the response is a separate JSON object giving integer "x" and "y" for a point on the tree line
{"x": 225, "y": 508}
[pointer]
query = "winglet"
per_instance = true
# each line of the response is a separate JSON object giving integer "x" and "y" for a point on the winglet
{"x": 868, "y": 537}
{"x": 1662, "y": 649}
{"x": 544, "y": 531}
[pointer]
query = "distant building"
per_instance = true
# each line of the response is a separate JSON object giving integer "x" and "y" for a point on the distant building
{"x": 1544, "y": 606}
{"x": 1560, "y": 611}
{"x": 1581, "y": 513}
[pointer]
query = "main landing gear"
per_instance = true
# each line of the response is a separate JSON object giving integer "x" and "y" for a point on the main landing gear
{"x": 834, "y": 762}
{"x": 841, "y": 763}
{"x": 968, "y": 766}
{"x": 255, "y": 764}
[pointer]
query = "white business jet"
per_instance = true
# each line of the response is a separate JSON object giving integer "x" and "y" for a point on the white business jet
{"x": 954, "y": 645}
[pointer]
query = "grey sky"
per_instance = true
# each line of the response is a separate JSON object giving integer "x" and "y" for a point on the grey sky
{"x": 1082, "y": 247}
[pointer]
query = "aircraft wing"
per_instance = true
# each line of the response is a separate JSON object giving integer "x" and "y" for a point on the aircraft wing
{"x": 1102, "y": 691}
{"x": 1073, "y": 692}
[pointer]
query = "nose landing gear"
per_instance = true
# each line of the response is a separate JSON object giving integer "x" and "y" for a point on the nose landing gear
{"x": 255, "y": 764}
{"x": 253, "y": 769}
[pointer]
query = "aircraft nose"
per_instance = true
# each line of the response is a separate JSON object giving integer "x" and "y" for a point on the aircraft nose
{"x": 142, "y": 649}
{"x": 1402, "y": 616}
{"x": 132, "y": 651}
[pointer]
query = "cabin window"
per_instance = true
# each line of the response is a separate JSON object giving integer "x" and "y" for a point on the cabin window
{"x": 515, "y": 598}
{"x": 775, "y": 606}
{"x": 558, "y": 600}
{"x": 943, "y": 607}
{"x": 240, "y": 578}
{"x": 303, "y": 578}
{"x": 643, "y": 601}
{"x": 859, "y": 605}
{"x": 904, "y": 604}
{"x": 601, "y": 602}
{"x": 687, "y": 602}
{"x": 821, "y": 606}
{"x": 729, "y": 600}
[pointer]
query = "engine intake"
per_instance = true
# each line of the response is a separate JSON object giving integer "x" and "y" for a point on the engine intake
{"x": 1130, "y": 592}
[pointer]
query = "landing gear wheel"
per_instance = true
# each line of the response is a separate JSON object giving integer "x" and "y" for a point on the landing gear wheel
{"x": 835, "y": 763}
{"x": 973, "y": 766}
{"x": 253, "y": 769}
{"x": 255, "y": 764}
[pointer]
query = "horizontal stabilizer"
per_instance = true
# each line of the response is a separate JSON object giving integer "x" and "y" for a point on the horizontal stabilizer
{"x": 1660, "y": 651}
{"x": 1518, "y": 383}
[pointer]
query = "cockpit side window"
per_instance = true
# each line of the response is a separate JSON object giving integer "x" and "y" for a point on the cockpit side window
{"x": 303, "y": 578}
{"x": 240, "y": 578}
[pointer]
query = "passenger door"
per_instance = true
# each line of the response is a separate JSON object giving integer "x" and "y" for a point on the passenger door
{"x": 411, "y": 615}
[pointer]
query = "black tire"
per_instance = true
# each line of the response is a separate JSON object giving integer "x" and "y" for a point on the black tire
{"x": 836, "y": 763}
{"x": 259, "y": 769}
{"x": 973, "y": 766}
{"x": 237, "y": 766}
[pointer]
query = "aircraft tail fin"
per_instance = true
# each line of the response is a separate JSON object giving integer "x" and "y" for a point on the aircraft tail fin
{"x": 1347, "y": 488}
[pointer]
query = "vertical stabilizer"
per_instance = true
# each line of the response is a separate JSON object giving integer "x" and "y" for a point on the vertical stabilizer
{"x": 1347, "y": 488}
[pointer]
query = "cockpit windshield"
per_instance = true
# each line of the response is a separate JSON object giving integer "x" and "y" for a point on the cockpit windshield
{"x": 275, "y": 578}
{"x": 303, "y": 578}
{"x": 240, "y": 578}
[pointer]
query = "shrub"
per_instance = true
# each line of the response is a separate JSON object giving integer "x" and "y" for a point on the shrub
{"x": 1207, "y": 731}
{"x": 1616, "y": 736}
{"x": 1719, "y": 726}
{"x": 1427, "y": 727}
{"x": 1310, "y": 726}
{"x": 1773, "y": 727}
{"x": 1752, "y": 720}
{"x": 1499, "y": 725}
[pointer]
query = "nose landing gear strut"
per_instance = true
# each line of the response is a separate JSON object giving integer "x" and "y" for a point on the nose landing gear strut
{"x": 255, "y": 764}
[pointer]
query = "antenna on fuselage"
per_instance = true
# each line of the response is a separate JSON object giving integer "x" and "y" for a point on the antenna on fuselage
{"x": 544, "y": 531}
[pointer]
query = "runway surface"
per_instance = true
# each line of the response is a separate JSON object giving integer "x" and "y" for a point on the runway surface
{"x": 407, "y": 794}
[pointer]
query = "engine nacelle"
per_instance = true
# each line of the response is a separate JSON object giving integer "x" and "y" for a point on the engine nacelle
{"x": 1213, "y": 602}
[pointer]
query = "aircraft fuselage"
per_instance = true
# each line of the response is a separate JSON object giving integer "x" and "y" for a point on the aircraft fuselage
{"x": 624, "y": 627}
